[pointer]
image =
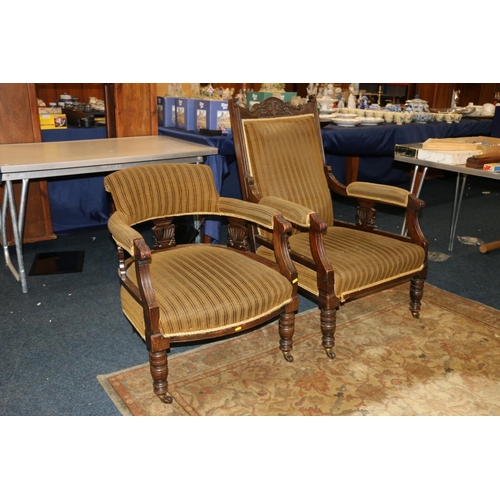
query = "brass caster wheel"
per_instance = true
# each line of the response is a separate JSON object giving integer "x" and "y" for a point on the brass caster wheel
{"x": 288, "y": 356}
{"x": 330, "y": 353}
{"x": 415, "y": 314}
{"x": 166, "y": 399}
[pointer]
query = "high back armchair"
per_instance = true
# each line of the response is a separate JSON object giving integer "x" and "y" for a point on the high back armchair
{"x": 281, "y": 163}
{"x": 187, "y": 292}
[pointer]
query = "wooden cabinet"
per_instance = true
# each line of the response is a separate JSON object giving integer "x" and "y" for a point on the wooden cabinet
{"x": 51, "y": 92}
{"x": 19, "y": 123}
{"x": 131, "y": 109}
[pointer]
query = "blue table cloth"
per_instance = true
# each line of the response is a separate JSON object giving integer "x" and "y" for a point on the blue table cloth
{"x": 77, "y": 202}
{"x": 82, "y": 202}
{"x": 374, "y": 145}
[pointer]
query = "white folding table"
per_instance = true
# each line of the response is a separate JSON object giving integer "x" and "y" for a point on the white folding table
{"x": 55, "y": 159}
{"x": 420, "y": 169}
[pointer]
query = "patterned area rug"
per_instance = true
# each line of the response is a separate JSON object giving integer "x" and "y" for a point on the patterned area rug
{"x": 388, "y": 363}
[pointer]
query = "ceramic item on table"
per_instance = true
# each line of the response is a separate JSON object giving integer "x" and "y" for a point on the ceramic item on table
{"x": 417, "y": 105}
{"x": 399, "y": 118}
{"x": 395, "y": 108}
{"x": 351, "y": 101}
{"x": 488, "y": 109}
{"x": 359, "y": 112}
{"x": 448, "y": 118}
{"x": 341, "y": 121}
{"x": 389, "y": 116}
{"x": 422, "y": 117}
{"x": 325, "y": 119}
{"x": 456, "y": 117}
{"x": 326, "y": 104}
{"x": 408, "y": 116}
{"x": 378, "y": 113}
{"x": 363, "y": 102}
{"x": 439, "y": 117}
{"x": 478, "y": 110}
{"x": 370, "y": 112}
{"x": 371, "y": 120}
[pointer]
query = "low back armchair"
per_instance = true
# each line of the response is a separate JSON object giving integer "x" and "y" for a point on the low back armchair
{"x": 281, "y": 163}
{"x": 188, "y": 292}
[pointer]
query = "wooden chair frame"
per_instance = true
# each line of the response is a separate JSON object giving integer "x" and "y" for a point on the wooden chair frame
{"x": 367, "y": 199}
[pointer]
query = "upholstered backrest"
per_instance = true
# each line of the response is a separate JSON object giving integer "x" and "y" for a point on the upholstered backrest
{"x": 153, "y": 191}
{"x": 286, "y": 160}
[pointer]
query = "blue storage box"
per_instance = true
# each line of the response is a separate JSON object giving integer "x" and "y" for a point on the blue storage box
{"x": 212, "y": 114}
{"x": 184, "y": 113}
{"x": 166, "y": 111}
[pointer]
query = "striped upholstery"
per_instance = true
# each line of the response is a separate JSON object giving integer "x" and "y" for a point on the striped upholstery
{"x": 360, "y": 259}
{"x": 145, "y": 193}
{"x": 286, "y": 161}
{"x": 224, "y": 289}
{"x": 201, "y": 288}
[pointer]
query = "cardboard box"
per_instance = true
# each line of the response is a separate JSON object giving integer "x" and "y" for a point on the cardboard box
{"x": 256, "y": 97}
{"x": 166, "y": 111}
{"x": 184, "y": 113}
{"x": 479, "y": 145}
{"x": 487, "y": 145}
{"x": 447, "y": 157}
{"x": 49, "y": 121}
{"x": 212, "y": 114}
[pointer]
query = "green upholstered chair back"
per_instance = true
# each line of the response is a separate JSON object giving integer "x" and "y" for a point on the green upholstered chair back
{"x": 150, "y": 192}
{"x": 285, "y": 158}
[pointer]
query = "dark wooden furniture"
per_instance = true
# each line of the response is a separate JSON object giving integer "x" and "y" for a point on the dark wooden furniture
{"x": 19, "y": 123}
{"x": 131, "y": 109}
{"x": 439, "y": 95}
{"x": 51, "y": 92}
{"x": 177, "y": 293}
{"x": 282, "y": 164}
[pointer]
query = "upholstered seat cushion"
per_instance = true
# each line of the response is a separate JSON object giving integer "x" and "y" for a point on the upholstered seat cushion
{"x": 203, "y": 288}
{"x": 359, "y": 259}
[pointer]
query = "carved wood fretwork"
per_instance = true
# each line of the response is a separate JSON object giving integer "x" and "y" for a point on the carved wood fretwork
{"x": 163, "y": 233}
{"x": 366, "y": 215}
{"x": 237, "y": 234}
{"x": 272, "y": 107}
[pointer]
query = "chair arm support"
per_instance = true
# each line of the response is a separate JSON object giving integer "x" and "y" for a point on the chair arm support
{"x": 382, "y": 193}
{"x": 122, "y": 233}
{"x": 150, "y": 306}
{"x": 296, "y": 214}
{"x": 252, "y": 212}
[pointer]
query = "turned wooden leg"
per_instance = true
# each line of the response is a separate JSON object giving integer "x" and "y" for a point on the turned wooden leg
{"x": 328, "y": 326}
{"x": 286, "y": 330}
{"x": 416, "y": 294}
{"x": 159, "y": 371}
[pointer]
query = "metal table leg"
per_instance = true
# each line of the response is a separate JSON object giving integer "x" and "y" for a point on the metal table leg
{"x": 459, "y": 193}
{"x": 412, "y": 189}
{"x": 17, "y": 229}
